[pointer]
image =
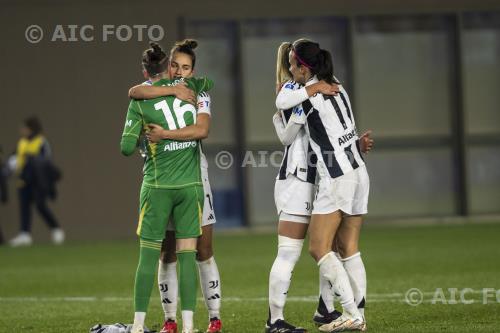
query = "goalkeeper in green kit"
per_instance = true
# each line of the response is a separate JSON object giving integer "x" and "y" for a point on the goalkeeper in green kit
{"x": 171, "y": 188}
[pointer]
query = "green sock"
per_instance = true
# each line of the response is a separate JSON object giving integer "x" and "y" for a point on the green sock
{"x": 146, "y": 272}
{"x": 188, "y": 279}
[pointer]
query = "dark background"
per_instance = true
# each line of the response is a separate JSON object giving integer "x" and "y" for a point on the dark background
{"x": 424, "y": 75}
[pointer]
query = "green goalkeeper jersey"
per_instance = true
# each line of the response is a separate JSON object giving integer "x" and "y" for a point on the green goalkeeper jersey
{"x": 169, "y": 164}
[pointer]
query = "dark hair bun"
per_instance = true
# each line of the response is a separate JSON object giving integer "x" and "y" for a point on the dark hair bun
{"x": 155, "y": 46}
{"x": 154, "y": 59}
{"x": 187, "y": 43}
{"x": 156, "y": 53}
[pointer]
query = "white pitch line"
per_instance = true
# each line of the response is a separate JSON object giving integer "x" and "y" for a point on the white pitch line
{"x": 371, "y": 298}
{"x": 425, "y": 293}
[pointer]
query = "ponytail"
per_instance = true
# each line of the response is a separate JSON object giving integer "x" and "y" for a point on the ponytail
{"x": 325, "y": 67}
{"x": 282, "y": 64}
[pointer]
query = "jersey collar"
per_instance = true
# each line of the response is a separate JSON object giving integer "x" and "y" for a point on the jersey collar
{"x": 312, "y": 80}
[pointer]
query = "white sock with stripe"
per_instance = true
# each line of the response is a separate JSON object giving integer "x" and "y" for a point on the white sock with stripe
{"x": 332, "y": 269}
{"x": 210, "y": 286}
{"x": 169, "y": 289}
{"x": 357, "y": 275}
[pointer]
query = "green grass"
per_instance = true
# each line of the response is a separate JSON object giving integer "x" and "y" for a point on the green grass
{"x": 34, "y": 282}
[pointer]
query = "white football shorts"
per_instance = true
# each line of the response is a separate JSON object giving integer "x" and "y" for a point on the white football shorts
{"x": 348, "y": 193}
{"x": 294, "y": 198}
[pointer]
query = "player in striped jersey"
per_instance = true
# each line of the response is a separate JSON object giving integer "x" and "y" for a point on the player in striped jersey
{"x": 343, "y": 185}
{"x": 182, "y": 62}
{"x": 294, "y": 193}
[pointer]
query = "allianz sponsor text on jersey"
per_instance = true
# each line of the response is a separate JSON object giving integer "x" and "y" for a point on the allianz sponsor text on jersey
{"x": 172, "y": 146}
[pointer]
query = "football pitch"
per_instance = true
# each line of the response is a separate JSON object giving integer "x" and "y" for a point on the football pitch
{"x": 70, "y": 288}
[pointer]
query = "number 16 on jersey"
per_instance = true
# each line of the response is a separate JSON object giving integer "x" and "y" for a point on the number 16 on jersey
{"x": 179, "y": 111}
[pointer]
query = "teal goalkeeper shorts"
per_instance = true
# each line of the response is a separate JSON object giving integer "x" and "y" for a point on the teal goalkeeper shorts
{"x": 184, "y": 206}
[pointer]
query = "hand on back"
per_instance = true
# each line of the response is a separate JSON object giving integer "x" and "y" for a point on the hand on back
{"x": 184, "y": 93}
{"x": 154, "y": 134}
{"x": 327, "y": 89}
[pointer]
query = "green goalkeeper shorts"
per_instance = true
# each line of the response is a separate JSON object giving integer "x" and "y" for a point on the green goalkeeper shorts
{"x": 184, "y": 206}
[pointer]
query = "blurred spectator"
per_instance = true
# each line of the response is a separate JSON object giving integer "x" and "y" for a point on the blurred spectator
{"x": 3, "y": 179}
{"x": 37, "y": 177}
{"x": 3, "y": 187}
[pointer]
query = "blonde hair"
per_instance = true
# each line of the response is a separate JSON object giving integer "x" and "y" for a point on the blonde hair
{"x": 282, "y": 64}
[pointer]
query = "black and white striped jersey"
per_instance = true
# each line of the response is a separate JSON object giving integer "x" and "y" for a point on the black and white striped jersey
{"x": 332, "y": 133}
{"x": 298, "y": 158}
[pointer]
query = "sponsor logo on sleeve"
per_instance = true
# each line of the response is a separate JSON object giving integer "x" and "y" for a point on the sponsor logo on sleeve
{"x": 347, "y": 138}
{"x": 298, "y": 110}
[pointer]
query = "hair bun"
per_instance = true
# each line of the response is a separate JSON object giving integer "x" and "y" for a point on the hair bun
{"x": 154, "y": 59}
{"x": 156, "y": 53}
{"x": 155, "y": 46}
{"x": 189, "y": 43}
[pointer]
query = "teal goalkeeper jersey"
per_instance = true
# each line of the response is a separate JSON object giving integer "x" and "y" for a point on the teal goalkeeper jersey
{"x": 169, "y": 164}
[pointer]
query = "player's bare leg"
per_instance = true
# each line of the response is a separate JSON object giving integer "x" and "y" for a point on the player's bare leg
{"x": 322, "y": 230}
{"x": 347, "y": 245}
{"x": 347, "y": 237}
{"x": 168, "y": 283}
{"x": 293, "y": 230}
{"x": 290, "y": 240}
{"x": 209, "y": 278}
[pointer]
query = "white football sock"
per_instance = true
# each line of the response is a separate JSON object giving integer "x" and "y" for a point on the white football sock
{"x": 326, "y": 295}
{"x": 357, "y": 275}
{"x": 139, "y": 318}
{"x": 326, "y": 292}
{"x": 332, "y": 269}
{"x": 289, "y": 250}
{"x": 187, "y": 320}
{"x": 210, "y": 286}
{"x": 169, "y": 289}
